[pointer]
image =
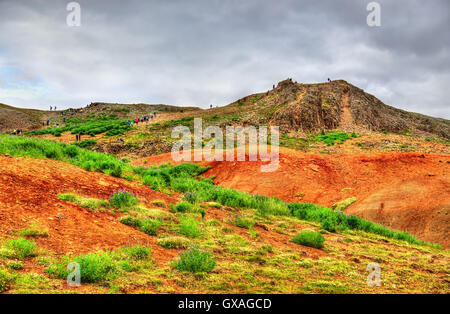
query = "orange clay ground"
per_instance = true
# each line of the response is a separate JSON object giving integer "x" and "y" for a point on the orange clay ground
{"x": 263, "y": 260}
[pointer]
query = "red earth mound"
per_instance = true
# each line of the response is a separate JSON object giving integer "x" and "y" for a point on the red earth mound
{"x": 28, "y": 195}
{"x": 404, "y": 191}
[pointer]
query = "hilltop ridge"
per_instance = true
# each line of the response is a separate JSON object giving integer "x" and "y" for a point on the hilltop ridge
{"x": 335, "y": 105}
{"x": 293, "y": 106}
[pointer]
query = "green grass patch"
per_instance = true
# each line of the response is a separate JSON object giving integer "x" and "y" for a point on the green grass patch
{"x": 189, "y": 227}
{"x": 5, "y": 279}
{"x": 148, "y": 226}
{"x": 195, "y": 260}
{"x": 19, "y": 248}
{"x": 33, "y": 231}
{"x": 241, "y": 221}
{"x": 174, "y": 242}
{"x": 331, "y": 138}
{"x": 123, "y": 199}
{"x": 92, "y": 127}
{"x": 310, "y": 238}
{"x": 94, "y": 267}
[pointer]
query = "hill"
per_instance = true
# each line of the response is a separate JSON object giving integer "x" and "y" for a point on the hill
{"x": 17, "y": 118}
{"x": 309, "y": 108}
{"x": 30, "y": 119}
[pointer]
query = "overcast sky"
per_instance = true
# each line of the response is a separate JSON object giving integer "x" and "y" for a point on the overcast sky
{"x": 198, "y": 52}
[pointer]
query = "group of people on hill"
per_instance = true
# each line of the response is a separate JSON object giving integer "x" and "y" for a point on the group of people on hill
{"x": 52, "y": 108}
{"x": 142, "y": 119}
{"x": 16, "y": 132}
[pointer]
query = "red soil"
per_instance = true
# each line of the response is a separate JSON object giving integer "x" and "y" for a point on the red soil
{"x": 404, "y": 191}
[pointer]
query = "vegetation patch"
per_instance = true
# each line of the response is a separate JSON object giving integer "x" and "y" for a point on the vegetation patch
{"x": 241, "y": 221}
{"x": 331, "y": 138}
{"x": 19, "y": 248}
{"x": 84, "y": 202}
{"x": 195, "y": 260}
{"x": 310, "y": 238}
{"x": 33, "y": 231}
{"x": 94, "y": 267}
{"x": 174, "y": 242}
{"x": 342, "y": 205}
{"x": 189, "y": 227}
{"x": 5, "y": 279}
{"x": 148, "y": 226}
{"x": 123, "y": 199}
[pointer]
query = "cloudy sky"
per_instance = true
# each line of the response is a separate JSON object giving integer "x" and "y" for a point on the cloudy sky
{"x": 198, "y": 52}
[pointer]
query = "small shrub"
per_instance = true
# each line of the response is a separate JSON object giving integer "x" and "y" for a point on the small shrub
{"x": 137, "y": 252}
{"x": 310, "y": 238}
{"x": 159, "y": 214}
{"x": 241, "y": 222}
{"x": 5, "y": 279}
{"x": 214, "y": 205}
{"x": 174, "y": 242}
{"x": 159, "y": 203}
{"x": 342, "y": 205}
{"x": 194, "y": 260}
{"x": 93, "y": 203}
{"x": 123, "y": 199}
{"x": 330, "y": 138}
{"x": 131, "y": 221}
{"x": 149, "y": 226}
{"x": 335, "y": 223}
{"x": 116, "y": 171}
{"x": 22, "y": 248}
{"x": 69, "y": 197}
{"x": 181, "y": 207}
{"x": 154, "y": 182}
{"x": 189, "y": 227}
{"x": 190, "y": 197}
{"x": 86, "y": 143}
{"x": 94, "y": 267}
{"x": 15, "y": 265}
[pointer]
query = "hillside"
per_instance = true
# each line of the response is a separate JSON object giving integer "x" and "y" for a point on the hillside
{"x": 309, "y": 108}
{"x": 16, "y": 118}
{"x": 296, "y": 108}
{"x": 248, "y": 243}
{"x": 30, "y": 119}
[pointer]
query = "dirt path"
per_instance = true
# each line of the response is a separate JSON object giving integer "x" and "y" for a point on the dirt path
{"x": 346, "y": 123}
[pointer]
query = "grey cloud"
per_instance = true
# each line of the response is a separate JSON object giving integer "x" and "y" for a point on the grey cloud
{"x": 199, "y": 52}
